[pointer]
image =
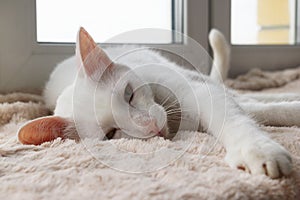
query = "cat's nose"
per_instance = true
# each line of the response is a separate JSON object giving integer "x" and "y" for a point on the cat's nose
{"x": 157, "y": 112}
{"x": 153, "y": 129}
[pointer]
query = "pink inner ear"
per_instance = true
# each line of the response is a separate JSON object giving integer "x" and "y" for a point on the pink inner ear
{"x": 86, "y": 43}
{"x": 90, "y": 55}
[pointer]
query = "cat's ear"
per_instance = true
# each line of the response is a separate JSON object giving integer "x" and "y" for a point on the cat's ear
{"x": 42, "y": 130}
{"x": 90, "y": 56}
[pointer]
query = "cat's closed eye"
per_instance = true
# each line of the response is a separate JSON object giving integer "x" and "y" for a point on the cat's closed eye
{"x": 128, "y": 94}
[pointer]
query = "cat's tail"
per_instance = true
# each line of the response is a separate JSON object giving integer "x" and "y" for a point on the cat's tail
{"x": 221, "y": 51}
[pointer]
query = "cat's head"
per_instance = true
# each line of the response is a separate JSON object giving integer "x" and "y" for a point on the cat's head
{"x": 121, "y": 99}
{"x": 109, "y": 96}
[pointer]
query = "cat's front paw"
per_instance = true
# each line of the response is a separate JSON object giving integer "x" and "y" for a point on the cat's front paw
{"x": 262, "y": 156}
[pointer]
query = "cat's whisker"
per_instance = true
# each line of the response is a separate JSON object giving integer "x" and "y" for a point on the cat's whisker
{"x": 179, "y": 118}
{"x": 177, "y": 110}
{"x": 172, "y": 104}
{"x": 174, "y": 111}
{"x": 165, "y": 100}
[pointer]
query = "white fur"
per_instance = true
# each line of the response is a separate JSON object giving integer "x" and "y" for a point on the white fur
{"x": 201, "y": 101}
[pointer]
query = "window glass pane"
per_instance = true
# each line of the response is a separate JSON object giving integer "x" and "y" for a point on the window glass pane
{"x": 59, "y": 20}
{"x": 264, "y": 22}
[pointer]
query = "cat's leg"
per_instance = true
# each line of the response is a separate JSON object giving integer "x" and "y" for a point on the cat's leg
{"x": 274, "y": 113}
{"x": 248, "y": 147}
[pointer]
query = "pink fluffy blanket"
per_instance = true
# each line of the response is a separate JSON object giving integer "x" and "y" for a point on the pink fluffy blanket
{"x": 65, "y": 169}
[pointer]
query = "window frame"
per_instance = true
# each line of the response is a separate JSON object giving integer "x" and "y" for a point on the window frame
{"x": 247, "y": 57}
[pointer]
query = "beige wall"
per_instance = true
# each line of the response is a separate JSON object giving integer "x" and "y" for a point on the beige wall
{"x": 273, "y": 13}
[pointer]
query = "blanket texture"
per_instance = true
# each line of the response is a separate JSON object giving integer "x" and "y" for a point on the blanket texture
{"x": 66, "y": 169}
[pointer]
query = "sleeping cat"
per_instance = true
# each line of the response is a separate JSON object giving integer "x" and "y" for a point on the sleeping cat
{"x": 141, "y": 94}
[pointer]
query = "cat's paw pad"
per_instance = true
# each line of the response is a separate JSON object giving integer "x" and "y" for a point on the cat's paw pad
{"x": 262, "y": 157}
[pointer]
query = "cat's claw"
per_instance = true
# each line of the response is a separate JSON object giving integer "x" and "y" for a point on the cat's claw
{"x": 261, "y": 157}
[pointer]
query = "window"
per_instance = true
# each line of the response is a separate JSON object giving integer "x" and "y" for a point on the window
{"x": 105, "y": 20}
{"x": 28, "y": 54}
{"x": 264, "y": 22}
{"x": 267, "y": 45}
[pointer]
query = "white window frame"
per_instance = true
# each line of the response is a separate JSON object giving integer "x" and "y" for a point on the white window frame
{"x": 246, "y": 57}
{"x": 26, "y": 64}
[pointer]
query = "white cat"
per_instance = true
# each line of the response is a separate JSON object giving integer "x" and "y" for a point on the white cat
{"x": 142, "y": 94}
